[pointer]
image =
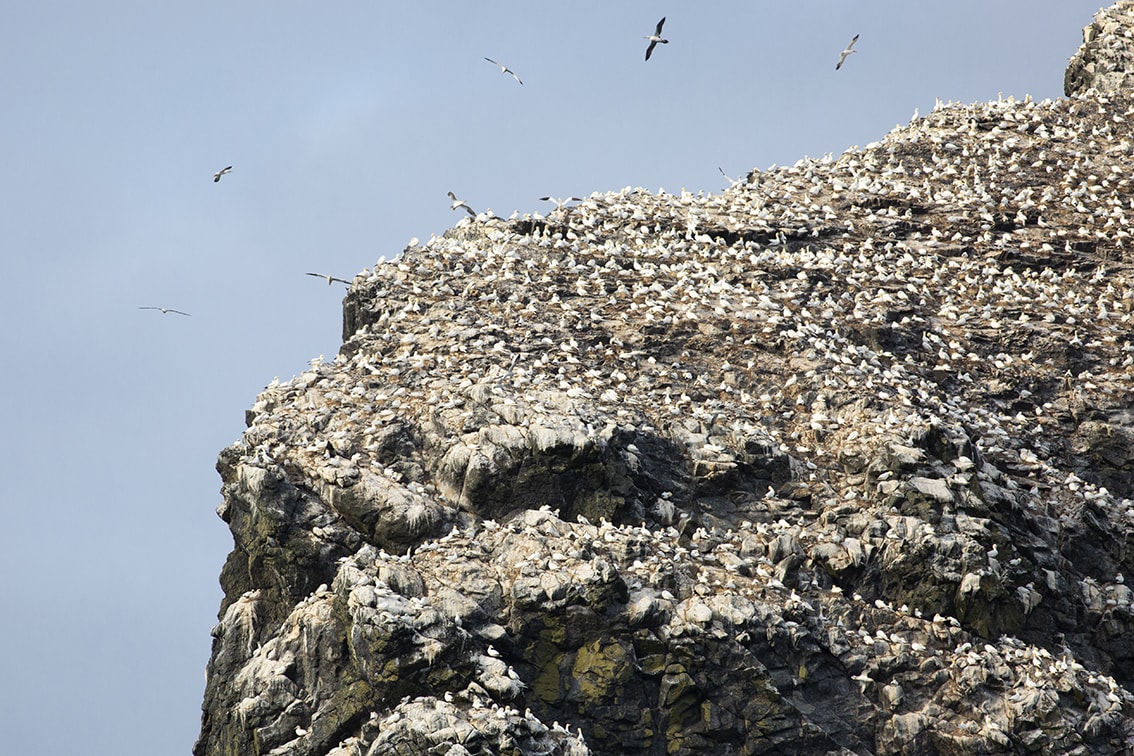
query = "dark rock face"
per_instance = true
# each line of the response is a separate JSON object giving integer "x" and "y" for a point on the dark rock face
{"x": 837, "y": 461}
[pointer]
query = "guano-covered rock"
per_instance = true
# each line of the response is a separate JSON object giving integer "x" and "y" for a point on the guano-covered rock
{"x": 836, "y": 461}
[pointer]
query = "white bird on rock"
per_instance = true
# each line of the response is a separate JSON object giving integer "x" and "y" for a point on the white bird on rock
{"x": 505, "y": 69}
{"x": 863, "y": 680}
{"x": 656, "y": 39}
{"x": 846, "y": 53}
{"x": 461, "y": 203}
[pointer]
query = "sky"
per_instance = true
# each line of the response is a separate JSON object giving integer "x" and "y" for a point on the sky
{"x": 346, "y": 123}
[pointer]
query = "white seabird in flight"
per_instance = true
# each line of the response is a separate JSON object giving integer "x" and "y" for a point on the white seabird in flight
{"x": 846, "y": 53}
{"x": 561, "y": 201}
{"x": 221, "y": 172}
{"x": 330, "y": 279}
{"x": 165, "y": 310}
{"x": 655, "y": 39}
{"x": 460, "y": 203}
{"x": 505, "y": 69}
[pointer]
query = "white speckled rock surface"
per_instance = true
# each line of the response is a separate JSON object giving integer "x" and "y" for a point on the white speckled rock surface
{"x": 836, "y": 461}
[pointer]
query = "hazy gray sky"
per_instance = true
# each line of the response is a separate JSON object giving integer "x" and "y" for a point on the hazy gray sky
{"x": 346, "y": 124}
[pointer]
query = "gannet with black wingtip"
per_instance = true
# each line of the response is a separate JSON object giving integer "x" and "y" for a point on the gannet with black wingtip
{"x": 561, "y": 201}
{"x": 846, "y": 53}
{"x": 221, "y": 172}
{"x": 461, "y": 203}
{"x": 330, "y": 279}
{"x": 730, "y": 179}
{"x": 655, "y": 39}
{"x": 505, "y": 69}
{"x": 165, "y": 310}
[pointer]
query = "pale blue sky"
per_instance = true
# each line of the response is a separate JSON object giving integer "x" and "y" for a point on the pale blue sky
{"x": 347, "y": 123}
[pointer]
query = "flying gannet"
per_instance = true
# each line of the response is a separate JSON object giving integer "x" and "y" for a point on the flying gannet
{"x": 460, "y": 203}
{"x": 561, "y": 201}
{"x": 165, "y": 310}
{"x": 505, "y": 69}
{"x": 847, "y": 52}
{"x": 330, "y": 279}
{"x": 221, "y": 172}
{"x": 655, "y": 38}
{"x": 730, "y": 179}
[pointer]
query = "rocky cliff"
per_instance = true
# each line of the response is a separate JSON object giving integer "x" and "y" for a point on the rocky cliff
{"x": 1106, "y": 59}
{"x": 836, "y": 461}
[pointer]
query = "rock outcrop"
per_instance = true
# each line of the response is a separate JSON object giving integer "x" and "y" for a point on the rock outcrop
{"x": 1105, "y": 61}
{"x": 836, "y": 461}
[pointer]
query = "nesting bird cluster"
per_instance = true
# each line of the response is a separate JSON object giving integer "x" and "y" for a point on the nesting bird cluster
{"x": 831, "y": 302}
{"x": 929, "y": 337}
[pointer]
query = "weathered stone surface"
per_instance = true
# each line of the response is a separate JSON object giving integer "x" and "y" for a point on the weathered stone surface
{"x": 1105, "y": 61}
{"x": 837, "y": 461}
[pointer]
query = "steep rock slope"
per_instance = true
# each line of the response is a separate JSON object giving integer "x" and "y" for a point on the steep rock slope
{"x": 836, "y": 461}
{"x": 1104, "y": 61}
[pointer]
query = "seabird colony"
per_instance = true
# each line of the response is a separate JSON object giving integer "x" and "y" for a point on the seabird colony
{"x": 877, "y": 242}
{"x": 831, "y": 306}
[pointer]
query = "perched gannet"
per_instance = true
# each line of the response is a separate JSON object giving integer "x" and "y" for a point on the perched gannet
{"x": 221, "y": 172}
{"x": 164, "y": 310}
{"x": 505, "y": 69}
{"x": 843, "y": 55}
{"x": 655, "y": 38}
{"x": 561, "y": 201}
{"x": 460, "y": 203}
{"x": 330, "y": 279}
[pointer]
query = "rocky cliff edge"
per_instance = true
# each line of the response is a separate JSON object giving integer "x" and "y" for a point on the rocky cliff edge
{"x": 836, "y": 461}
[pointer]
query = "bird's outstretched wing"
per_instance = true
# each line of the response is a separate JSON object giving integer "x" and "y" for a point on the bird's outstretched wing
{"x": 660, "y": 25}
{"x": 165, "y": 310}
{"x": 846, "y": 53}
{"x": 461, "y": 203}
{"x": 329, "y": 279}
{"x": 561, "y": 201}
{"x": 505, "y": 69}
